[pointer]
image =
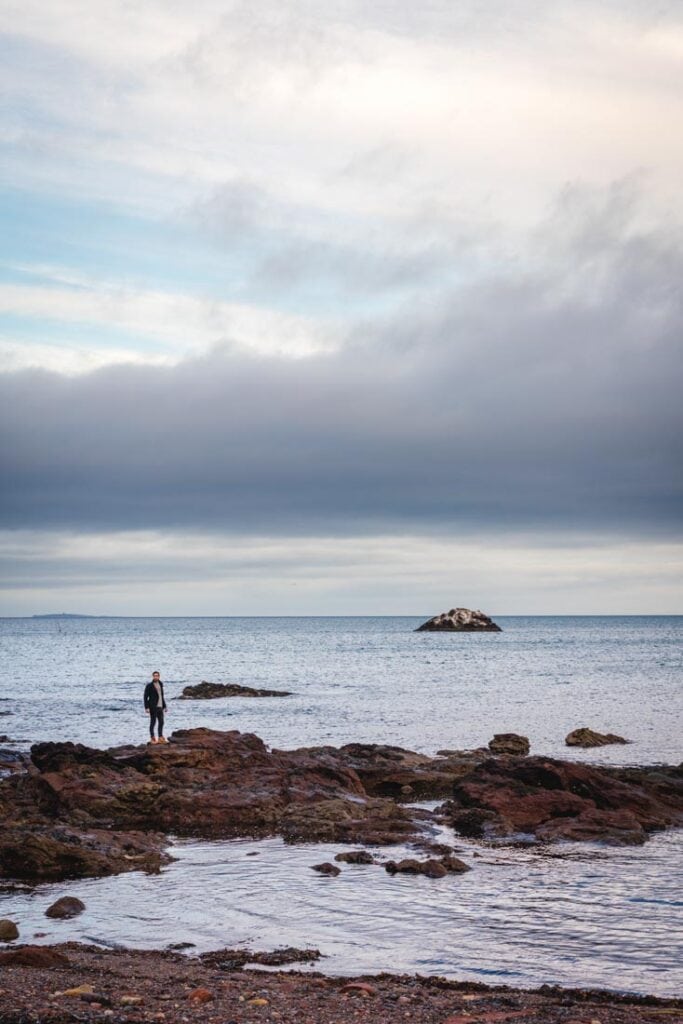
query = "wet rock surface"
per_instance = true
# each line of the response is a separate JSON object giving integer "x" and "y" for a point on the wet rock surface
{"x": 211, "y": 691}
{"x": 459, "y": 620}
{"x": 550, "y": 799}
{"x": 153, "y": 986}
{"x": 588, "y": 738}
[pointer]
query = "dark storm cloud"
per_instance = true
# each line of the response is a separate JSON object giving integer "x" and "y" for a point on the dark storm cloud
{"x": 544, "y": 398}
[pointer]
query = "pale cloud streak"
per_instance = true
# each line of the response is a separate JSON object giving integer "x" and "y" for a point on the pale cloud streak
{"x": 158, "y": 573}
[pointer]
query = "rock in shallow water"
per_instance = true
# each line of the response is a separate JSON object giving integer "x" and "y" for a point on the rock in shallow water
{"x": 459, "y": 620}
{"x": 326, "y": 869}
{"x": 8, "y": 930}
{"x": 509, "y": 743}
{"x": 211, "y": 691}
{"x": 356, "y": 857}
{"x": 551, "y": 799}
{"x": 65, "y": 907}
{"x": 587, "y": 738}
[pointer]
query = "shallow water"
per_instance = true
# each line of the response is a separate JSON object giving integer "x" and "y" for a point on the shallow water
{"x": 593, "y": 916}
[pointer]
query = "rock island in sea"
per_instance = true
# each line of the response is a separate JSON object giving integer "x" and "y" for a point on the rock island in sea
{"x": 459, "y": 620}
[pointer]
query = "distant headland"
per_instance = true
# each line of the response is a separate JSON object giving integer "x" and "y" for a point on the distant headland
{"x": 64, "y": 615}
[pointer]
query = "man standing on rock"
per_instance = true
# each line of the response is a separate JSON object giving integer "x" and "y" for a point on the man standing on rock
{"x": 155, "y": 705}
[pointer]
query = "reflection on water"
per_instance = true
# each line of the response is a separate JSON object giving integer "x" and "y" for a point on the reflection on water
{"x": 601, "y": 917}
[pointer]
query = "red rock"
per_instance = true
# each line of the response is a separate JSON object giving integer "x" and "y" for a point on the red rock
{"x": 201, "y": 995}
{"x": 564, "y": 800}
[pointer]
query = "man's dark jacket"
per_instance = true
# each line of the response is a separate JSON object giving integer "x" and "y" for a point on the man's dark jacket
{"x": 152, "y": 697}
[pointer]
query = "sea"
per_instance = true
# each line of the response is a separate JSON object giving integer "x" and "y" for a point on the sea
{"x": 581, "y": 915}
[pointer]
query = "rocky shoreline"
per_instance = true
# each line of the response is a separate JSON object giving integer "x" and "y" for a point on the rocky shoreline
{"x": 75, "y": 811}
{"x": 73, "y": 982}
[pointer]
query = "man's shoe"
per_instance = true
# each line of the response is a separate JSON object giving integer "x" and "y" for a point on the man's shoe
{"x": 162, "y": 739}
{"x": 152, "y": 740}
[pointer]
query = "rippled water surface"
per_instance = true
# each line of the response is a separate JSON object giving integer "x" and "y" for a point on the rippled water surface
{"x": 592, "y": 916}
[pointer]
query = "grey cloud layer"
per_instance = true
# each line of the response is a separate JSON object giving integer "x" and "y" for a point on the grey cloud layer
{"x": 546, "y": 397}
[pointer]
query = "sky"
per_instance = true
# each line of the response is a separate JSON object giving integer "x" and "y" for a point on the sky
{"x": 341, "y": 308}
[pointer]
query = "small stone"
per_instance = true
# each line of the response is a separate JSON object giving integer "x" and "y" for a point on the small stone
{"x": 258, "y": 1001}
{"x": 8, "y": 930}
{"x": 359, "y": 987}
{"x": 326, "y": 869}
{"x": 131, "y": 1000}
{"x": 65, "y": 907}
{"x": 201, "y": 995}
{"x": 79, "y": 990}
{"x": 96, "y": 997}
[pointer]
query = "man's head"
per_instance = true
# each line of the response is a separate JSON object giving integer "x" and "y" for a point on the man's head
{"x": 155, "y": 677}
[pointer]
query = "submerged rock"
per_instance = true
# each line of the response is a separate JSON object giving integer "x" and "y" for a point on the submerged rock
{"x": 587, "y": 738}
{"x": 509, "y": 743}
{"x": 326, "y": 869}
{"x": 459, "y": 620}
{"x": 211, "y": 691}
{"x": 356, "y": 857}
{"x": 431, "y": 868}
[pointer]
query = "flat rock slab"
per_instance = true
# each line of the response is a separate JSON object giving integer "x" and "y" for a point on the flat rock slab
{"x": 212, "y": 691}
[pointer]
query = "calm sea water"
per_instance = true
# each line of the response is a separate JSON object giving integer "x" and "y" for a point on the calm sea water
{"x": 592, "y": 916}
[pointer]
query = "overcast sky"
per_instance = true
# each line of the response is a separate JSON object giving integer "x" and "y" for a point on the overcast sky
{"x": 341, "y": 307}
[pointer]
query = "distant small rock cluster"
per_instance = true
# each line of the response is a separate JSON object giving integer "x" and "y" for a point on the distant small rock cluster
{"x": 459, "y": 620}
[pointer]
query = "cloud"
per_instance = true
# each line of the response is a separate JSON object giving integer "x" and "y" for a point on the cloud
{"x": 149, "y": 572}
{"x": 170, "y": 321}
{"x": 548, "y": 396}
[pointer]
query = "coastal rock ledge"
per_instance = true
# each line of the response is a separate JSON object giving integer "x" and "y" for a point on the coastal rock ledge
{"x": 459, "y": 620}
